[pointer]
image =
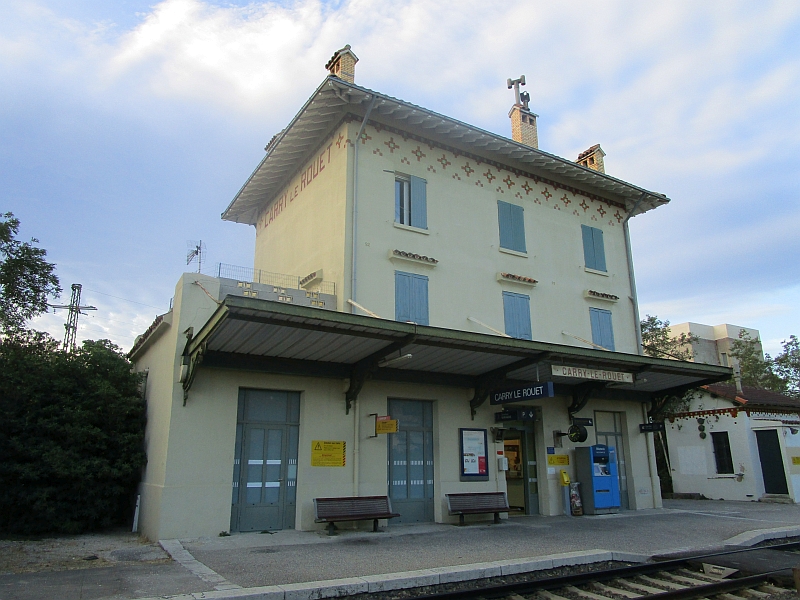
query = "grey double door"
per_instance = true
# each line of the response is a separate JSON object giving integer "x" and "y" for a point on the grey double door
{"x": 265, "y": 463}
{"x": 411, "y": 460}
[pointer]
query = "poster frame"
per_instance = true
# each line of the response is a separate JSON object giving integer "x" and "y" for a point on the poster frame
{"x": 462, "y": 463}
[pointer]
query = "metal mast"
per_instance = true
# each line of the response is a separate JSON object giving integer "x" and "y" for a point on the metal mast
{"x": 75, "y": 309}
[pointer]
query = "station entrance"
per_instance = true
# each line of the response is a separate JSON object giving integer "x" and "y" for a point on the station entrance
{"x": 522, "y": 482}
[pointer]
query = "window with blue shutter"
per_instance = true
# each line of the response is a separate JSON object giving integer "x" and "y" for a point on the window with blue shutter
{"x": 512, "y": 226}
{"x": 410, "y": 298}
{"x": 594, "y": 252}
{"x": 602, "y": 331}
{"x": 410, "y": 201}
{"x": 517, "y": 314}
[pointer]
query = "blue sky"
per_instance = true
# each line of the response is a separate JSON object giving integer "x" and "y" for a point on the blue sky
{"x": 127, "y": 127}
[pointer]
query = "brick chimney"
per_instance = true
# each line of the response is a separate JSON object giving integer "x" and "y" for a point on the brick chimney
{"x": 523, "y": 126}
{"x": 593, "y": 158}
{"x": 343, "y": 64}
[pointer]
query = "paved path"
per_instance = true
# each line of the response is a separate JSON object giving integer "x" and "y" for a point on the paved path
{"x": 232, "y": 566}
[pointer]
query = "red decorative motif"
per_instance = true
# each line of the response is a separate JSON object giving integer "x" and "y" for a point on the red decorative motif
{"x": 584, "y": 206}
{"x": 392, "y": 145}
{"x": 418, "y": 153}
{"x": 618, "y": 216}
{"x": 467, "y": 169}
{"x": 508, "y": 181}
{"x": 489, "y": 175}
{"x": 602, "y": 211}
{"x": 565, "y": 200}
{"x": 445, "y": 163}
{"x": 528, "y": 189}
{"x": 546, "y": 193}
{"x": 365, "y": 137}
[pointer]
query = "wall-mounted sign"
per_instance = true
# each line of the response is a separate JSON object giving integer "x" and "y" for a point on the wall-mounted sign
{"x": 558, "y": 460}
{"x": 528, "y": 392}
{"x": 597, "y": 374}
{"x": 474, "y": 454}
{"x": 515, "y": 414}
{"x": 385, "y": 425}
{"x": 328, "y": 454}
{"x": 582, "y": 422}
{"x": 650, "y": 427}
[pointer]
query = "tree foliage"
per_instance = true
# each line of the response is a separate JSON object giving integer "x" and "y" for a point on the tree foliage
{"x": 26, "y": 278}
{"x": 787, "y": 366}
{"x": 658, "y": 343}
{"x": 757, "y": 370}
{"x": 71, "y": 435}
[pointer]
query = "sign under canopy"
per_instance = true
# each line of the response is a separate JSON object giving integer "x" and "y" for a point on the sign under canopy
{"x": 597, "y": 374}
{"x": 542, "y": 389}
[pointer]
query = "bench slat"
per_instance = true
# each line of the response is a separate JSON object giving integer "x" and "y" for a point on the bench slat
{"x": 477, "y": 502}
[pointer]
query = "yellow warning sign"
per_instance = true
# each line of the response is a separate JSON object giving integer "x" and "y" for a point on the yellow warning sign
{"x": 328, "y": 454}
{"x": 387, "y": 426}
{"x": 557, "y": 460}
{"x": 796, "y": 460}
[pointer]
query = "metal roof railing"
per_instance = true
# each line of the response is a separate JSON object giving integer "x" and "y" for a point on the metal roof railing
{"x": 267, "y": 278}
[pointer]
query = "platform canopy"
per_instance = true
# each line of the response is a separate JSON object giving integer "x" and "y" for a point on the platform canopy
{"x": 273, "y": 337}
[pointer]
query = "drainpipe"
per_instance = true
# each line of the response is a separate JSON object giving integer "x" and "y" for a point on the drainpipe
{"x": 355, "y": 203}
{"x": 356, "y": 412}
{"x": 634, "y": 298}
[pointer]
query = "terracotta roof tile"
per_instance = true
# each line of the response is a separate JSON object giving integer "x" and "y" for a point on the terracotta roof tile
{"x": 753, "y": 396}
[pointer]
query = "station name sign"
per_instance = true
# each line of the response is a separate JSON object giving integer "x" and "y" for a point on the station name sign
{"x": 596, "y": 374}
{"x": 528, "y": 392}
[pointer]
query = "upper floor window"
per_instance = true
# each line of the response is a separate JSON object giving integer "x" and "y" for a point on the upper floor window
{"x": 517, "y": 314}
{"x": 410, "y": 201}
{"x": 512, "y": 226}
{"x": 602, "y": 330}
{"x": 410, "y": 298}
{"x": 594, "y": 252}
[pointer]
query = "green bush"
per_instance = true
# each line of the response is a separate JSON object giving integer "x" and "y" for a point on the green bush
{"x": 71, "y": 436}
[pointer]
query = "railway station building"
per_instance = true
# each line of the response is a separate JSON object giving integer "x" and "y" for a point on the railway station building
{"x": 427, "y": 299}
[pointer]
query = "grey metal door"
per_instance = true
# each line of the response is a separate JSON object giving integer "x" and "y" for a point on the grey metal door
{"x": 769, "y": 453}
{"x": 410, "y": 467}
{"x": 265, "y": 464}
{"x": 608, "y": 428}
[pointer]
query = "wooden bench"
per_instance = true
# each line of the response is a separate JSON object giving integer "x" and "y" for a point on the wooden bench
{"x": 358, "y": 508}
{"x": 477, "y": 503}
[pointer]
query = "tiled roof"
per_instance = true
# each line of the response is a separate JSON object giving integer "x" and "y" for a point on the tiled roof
{"x": 752, "y": 396}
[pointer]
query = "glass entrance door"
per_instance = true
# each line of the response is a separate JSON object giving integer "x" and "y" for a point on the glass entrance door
{"x": 522, "y": 484}
{"x": 410, "y": 458}
{"x": 608, "y": 428}
{"x": 265, "y": 467}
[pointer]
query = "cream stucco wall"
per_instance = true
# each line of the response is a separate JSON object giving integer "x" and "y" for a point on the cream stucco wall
{"x": 463, "y": 235}
{"x": 304, "y": 228}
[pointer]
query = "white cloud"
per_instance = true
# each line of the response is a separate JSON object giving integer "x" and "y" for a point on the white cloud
{"x": 699, "y": 101}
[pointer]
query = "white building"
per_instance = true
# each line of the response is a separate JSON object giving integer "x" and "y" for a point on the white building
{"x": 736, "y": 445}
{"x": 733, "y": 444}
{"x": 714, "y": 342}
{"x": 434, "y": 264}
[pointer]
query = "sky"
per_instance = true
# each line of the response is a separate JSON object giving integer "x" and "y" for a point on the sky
{"x": 127, "y": 127}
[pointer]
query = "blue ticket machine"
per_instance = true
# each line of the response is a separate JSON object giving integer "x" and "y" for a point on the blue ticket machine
{"x": 596, "y": 468}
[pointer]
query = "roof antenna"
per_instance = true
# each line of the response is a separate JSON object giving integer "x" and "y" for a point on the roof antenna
{"x": 196, "y": 251}
{"x": 522, "y": 99}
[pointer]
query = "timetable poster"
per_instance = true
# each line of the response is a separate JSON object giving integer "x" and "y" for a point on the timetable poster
{"x": 474, "y": 454}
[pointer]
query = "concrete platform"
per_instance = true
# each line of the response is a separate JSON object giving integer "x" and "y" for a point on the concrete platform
{"x": 299, "y": 565}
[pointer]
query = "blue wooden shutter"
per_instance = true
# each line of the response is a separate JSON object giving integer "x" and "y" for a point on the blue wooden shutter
{"x": 517, "y": 315}
{"x": 594, "y": 253}
{"x": 518, "y": 227}
{"x": 419, "y": 299}
{"x": 419, "y": 203}
{"x": 402, "y": 296}
{"x": 602, "y": 330}
{"x": 599, "y": 249}
{"x": 588, "y": 246}
{"x": 504, "y": 220}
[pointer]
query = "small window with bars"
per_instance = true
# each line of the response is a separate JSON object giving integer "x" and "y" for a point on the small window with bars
{"x": 722, "y": 452}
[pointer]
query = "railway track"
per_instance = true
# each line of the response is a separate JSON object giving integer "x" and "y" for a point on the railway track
{"x": 681, "y": 579}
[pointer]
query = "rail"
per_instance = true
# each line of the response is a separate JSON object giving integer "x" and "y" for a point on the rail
{"x": 268, "y": 278}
